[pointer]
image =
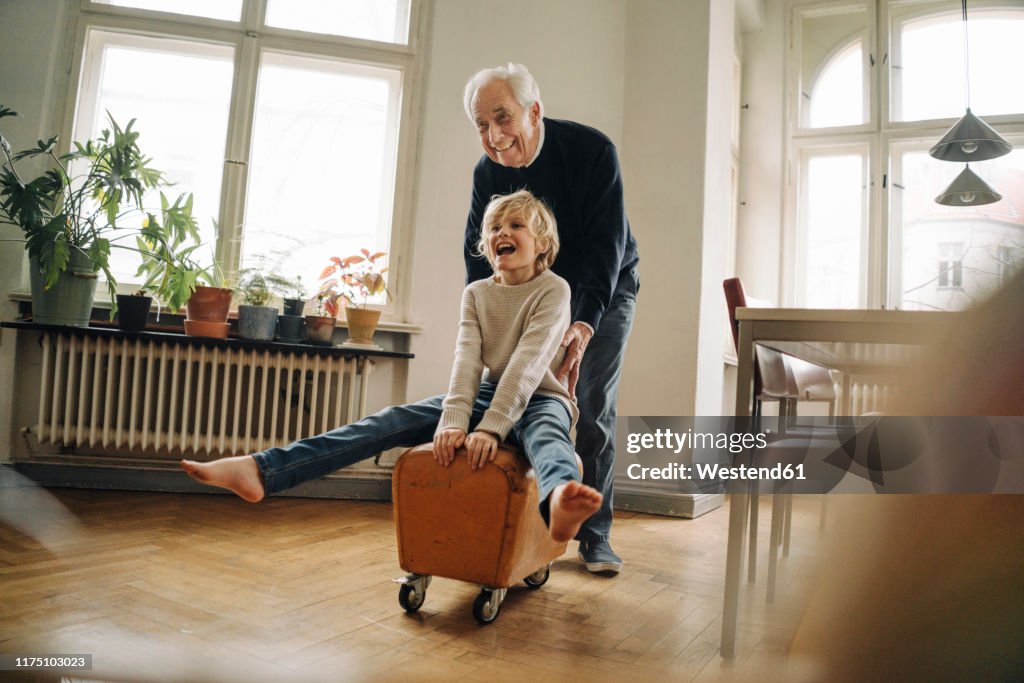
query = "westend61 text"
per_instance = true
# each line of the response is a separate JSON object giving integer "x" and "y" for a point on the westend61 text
{"x": 715, "y": 472}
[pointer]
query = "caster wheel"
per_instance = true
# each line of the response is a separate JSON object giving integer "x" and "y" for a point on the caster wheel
{"x": 485, "y": 607}
{"x": 538, "y": 578}
{"x": 411, "y": 599}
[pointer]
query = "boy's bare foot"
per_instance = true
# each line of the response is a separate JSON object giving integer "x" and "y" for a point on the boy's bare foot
{"x": 240, "y": 475}
{"x": 570, "y": 505}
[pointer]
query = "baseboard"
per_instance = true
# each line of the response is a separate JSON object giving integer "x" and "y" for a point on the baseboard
{"x": 686, "y": 505}
{"x": 361, "y": 484}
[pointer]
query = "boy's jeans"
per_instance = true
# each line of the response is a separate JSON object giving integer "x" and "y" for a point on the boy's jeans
{"x": 542, "y": 433}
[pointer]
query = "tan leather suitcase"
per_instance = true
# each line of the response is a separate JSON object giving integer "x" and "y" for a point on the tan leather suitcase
{"x": 480, "y": 526}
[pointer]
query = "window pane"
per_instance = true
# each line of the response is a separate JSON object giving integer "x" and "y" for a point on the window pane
{"x": 929, "y": 83}
{"x": 830, "y": 264}
{"x": 832, "y": 73}
{"x": 322, "y": 168}
{"x": 229, "y": 10}
{"x": 954, "y": 256}
{"x": 179, "y": 93}
{"x": 383, "y": 20}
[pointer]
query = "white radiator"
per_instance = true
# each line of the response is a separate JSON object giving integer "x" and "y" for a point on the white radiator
{"x": 149, "y": 396}
{"x": 867, "y": 395}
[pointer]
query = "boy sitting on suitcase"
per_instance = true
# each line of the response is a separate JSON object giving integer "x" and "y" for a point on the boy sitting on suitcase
{"x": 502, "y": 386}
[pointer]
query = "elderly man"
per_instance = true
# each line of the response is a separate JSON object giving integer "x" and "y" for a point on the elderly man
{"x": 575, "y": 170}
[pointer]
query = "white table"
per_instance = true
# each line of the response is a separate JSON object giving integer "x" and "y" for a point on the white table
{"x": 851, "y": 341}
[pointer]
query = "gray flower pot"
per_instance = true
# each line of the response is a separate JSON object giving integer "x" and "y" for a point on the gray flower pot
{"x": 69, "y": 301}
{"x": 257, "y": 322}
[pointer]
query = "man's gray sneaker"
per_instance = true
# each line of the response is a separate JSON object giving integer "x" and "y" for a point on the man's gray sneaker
{"x": 599, "y": 557}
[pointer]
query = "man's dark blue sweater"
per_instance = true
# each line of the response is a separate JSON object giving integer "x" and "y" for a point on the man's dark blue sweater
{"x": 577, "y": 175}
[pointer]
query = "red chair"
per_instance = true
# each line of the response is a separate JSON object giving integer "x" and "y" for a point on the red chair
{"x": 771, "y": 381}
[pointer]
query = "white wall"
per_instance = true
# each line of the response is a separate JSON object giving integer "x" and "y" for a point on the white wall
{"x": 759, "y": 233}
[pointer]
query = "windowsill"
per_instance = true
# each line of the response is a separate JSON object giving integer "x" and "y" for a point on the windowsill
{"x": 23, "y": 296}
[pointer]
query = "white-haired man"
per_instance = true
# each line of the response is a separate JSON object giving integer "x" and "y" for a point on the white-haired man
{"x": 575, "y": 170}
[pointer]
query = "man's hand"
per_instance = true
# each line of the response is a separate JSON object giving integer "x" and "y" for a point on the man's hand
{"x": 576, "y": 338}
{"x": 482, "y": 447}
{"x": 445, "y": 443}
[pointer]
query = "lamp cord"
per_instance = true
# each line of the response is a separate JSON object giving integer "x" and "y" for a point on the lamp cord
{"x": 967, "y": 61}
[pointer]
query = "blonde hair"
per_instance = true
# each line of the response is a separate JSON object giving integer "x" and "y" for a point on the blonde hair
{"x": 538, "y": 217}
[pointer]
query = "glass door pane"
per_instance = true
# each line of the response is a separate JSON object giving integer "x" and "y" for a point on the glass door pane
{"x": 833, "y": 57}
{"x": 831, "y": 252}
{"x": 382, "y": 20}
{"x": 229, "y": 10}
{"x": 951, "y": 257}
{"x": 323, "y": 161}
{"x": 179, "y": 94}
{"x": 928, "y": 63}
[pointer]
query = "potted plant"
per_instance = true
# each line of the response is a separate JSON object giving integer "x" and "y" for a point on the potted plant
{"x": 256, "y": 320}
{"x": 291, "y": 291}
{"x": 290, "y": 324}
{"x": 133, "y": 310}
{"x": 72, "y": 215}
{"x": 174, "y": 275}
{"x": 320, "y": 323}
{"x": 355, "y": 279}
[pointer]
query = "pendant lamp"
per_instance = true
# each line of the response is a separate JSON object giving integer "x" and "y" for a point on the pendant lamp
{"x": 967, "y": 189}
{"x": 970, "y": 139}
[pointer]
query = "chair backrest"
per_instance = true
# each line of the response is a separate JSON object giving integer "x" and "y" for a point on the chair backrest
{"x": 770, "y": 377}
{"x": 735, "y": 298}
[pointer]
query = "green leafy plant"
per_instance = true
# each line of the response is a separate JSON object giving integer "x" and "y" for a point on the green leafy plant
{"x": 286, "y": 287}
{"x": 80, "y": 202}
{"x": 167, "y": 247}
{"x": 353, "y": 279}
{"x": 254, "y": 287}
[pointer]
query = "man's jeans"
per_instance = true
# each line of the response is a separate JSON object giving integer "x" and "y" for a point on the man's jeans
{"x": 542, "y": 433}
{"x": 597, "y": 393}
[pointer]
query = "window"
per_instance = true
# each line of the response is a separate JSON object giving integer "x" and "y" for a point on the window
{"x": 289, "y": 131}
{"x": 951, "y": 265}
{"x": 876, "y": 84}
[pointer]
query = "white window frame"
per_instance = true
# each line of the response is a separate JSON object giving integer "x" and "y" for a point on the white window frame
{"x": 881, "y": 132}
{"x": 249, "y": 39}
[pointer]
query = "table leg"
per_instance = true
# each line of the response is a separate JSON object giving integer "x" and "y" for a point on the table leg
{"x": 744, "y": 370}
{"x": 738, "y": 503}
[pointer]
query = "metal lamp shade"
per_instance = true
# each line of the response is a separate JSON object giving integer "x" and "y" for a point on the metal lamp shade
{"x": 967, "y": 189}
{"x": 970, "y": 139}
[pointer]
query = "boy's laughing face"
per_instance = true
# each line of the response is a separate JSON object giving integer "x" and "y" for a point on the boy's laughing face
{"x": 512, "y": 248}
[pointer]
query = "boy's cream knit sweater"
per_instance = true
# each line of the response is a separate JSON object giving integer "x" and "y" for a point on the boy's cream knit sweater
{"x": 515, "y": 333}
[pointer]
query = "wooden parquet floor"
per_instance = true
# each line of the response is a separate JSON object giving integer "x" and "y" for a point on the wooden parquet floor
{"x": 184, "y": 587}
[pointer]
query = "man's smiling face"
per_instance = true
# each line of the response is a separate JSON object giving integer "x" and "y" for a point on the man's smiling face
{"x": 508, "y": 131}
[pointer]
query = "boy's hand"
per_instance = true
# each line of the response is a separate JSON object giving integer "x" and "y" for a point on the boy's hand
{"x": 445, "y": 443}
{"x": 482, "y": 447}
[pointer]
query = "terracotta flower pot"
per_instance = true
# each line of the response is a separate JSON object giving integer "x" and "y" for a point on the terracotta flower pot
{"x": 362, "y": 323}
{"x": 319, "y": 329}
{"x": 205, "y": 328}
{"x": 209, "y": 304}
